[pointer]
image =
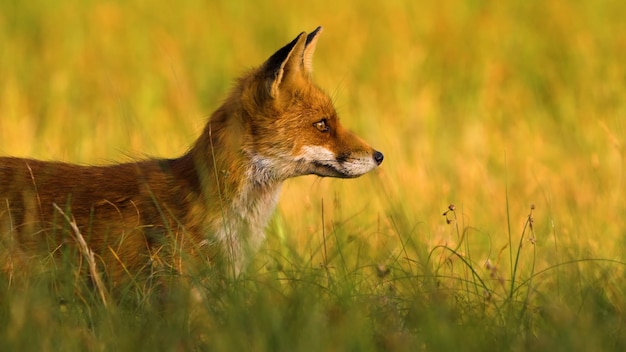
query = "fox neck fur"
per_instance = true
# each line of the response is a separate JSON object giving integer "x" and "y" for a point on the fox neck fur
{"x": 239, "y": 183}
{"x": 247, "y": 182}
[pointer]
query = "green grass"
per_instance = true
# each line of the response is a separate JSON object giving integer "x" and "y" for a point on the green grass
{"x": 491, "y": 106}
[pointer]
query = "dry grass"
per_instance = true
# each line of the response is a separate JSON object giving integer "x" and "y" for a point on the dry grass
{"x": 492, "y": 106}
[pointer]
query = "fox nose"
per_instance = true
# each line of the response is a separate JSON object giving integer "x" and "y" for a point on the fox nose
{"x": 378, "y": 157}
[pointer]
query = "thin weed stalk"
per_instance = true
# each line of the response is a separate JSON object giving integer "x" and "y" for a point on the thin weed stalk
{"x": 528, "y": 225}
{"x": 508, "y": 223}
{"x": 89, "y": 257}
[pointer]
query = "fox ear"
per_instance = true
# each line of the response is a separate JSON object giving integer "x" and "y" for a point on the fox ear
{"x": 292, "y": 59}
{"x": 309, "y": 48}
{"x": 284, "y": 62}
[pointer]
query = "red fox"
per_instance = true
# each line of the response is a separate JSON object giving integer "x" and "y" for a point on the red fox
{"x": 209, "y": 206}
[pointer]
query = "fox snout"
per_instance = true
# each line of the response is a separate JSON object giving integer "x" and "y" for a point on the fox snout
{"x": 324, "y": 162}
{"x": 356, "y": 166}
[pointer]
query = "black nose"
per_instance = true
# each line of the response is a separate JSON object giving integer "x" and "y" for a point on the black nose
{"x": 378, "y": 157}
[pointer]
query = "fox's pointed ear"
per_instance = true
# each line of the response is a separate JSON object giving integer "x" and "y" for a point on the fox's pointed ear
{"x": 309, "y": 48}
{"x": 286, "y": 61}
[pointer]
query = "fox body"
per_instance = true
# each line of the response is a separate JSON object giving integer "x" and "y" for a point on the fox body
{"x": 207, "y": 207}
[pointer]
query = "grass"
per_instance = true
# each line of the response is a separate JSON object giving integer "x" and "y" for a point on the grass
{"x": 490, "y": 106}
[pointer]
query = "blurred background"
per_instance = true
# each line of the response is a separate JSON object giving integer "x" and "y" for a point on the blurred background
{"x": 488, "y": 105}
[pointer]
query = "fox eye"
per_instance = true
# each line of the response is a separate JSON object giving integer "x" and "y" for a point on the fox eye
{"x": 321, "y": 125}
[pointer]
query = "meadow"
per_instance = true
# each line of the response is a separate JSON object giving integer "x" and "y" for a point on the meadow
{"x": 496, "y": 221}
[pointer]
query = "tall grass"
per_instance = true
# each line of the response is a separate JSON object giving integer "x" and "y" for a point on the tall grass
{"x": 490, "y": 106}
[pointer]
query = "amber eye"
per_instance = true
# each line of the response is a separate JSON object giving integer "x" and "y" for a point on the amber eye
{"x": 321, "y": 125}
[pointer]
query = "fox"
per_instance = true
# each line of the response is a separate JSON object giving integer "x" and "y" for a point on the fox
{"x": 206, "y": 208}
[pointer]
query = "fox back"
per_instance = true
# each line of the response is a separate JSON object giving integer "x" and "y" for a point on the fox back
{"x": 208, "y": 207}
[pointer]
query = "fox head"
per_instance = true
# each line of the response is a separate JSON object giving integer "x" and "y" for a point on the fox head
{"x": 292, "y": 126}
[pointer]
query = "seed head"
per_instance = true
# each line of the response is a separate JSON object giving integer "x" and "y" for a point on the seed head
{"x": 382, "y": 270}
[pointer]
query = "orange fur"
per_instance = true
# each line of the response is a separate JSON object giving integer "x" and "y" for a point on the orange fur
{"x": 206, "y": 207}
